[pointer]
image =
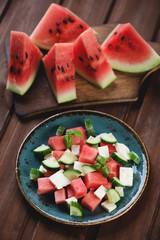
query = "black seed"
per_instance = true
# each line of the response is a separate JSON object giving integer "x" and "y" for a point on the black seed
{"x": 62, "y": 69}
{"x": 99, "y": 49}
{"x": 52, "y": 69}
{"x": 67, "y": 65}
{"x": 26, "y": 55}
{"x": 117, "y": 47}
{"x": 50, "y": 30}
{"x": 122, "y": 38}
{"x": 81, "y": 59}
{"x": 71, "y": 19}
{"x": 17, "y": 57}
{"x": 21, "y": 62}
{"x": 11, "y": 69}
{"x": 89, "y": 67}
{"x": 58, "y": 30}
{"x": 110, "y": 45}
{"x": 91, "y": 58}
{"x": 19, "y": 71}
{"x": 58, "y": 68}
{"x": 67, "y": 79}
{"x": 94, "y": 69}
{"x": 57, "y": 24}
{"x": 73, "y": 77}
{"x": 97, "y": 57}
{"x": 64, "y": 21}
{"x": 81, "y": 26}
{"x": 115, "y": 32}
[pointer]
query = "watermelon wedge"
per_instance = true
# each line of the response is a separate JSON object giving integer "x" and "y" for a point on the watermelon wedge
{"x": 127, "y": 51}
{"x": 57, "y": 25}
{"x": 24, "y": 62}
{"x": 90, "y": 61}
{"x": 60, "y": 70}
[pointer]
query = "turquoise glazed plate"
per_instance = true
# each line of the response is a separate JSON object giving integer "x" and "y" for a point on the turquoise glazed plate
{"x": 102, "y": 122}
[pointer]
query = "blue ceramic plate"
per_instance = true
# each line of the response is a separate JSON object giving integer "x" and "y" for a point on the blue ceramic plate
{"x": 44, "y": 204}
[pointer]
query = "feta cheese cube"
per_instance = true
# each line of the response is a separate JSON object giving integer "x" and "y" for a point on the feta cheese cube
{"x": 103, "y": 151}
{"x": 78, "y": 165}
{"x": 126, "y": 176}
{"x": 108, "y": 206}
{"x": 120, "y": 191}
{"x": 59, "y": 180}
{"x": 100, "y": 192}
{"x": 75, "y": 149}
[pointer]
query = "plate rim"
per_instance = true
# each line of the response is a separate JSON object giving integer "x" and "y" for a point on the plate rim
{"x": 87, "y": 223}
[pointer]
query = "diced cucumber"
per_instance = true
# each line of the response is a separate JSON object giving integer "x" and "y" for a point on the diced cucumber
{"x": 116, "y": 182}
{"x": 67, "y": 158}
{"x": 59, "y": 180}
{"x": 119, "y": 158}
{"x": 76, "y": 209}
{"x": 51, "y": 164}
{"x": 68, "y": 200}
{"x": 72, "y": 173}
{"x": 42, "y": 150}
{"x": 120, "y": 191}
{"x": 113, "y": 195}
{"x": 108, "y": 206}
{"x": 48, "y": 155}
{"x": 78, "y": 165}
{"x": 60, "y": 130}
{"x": 134, "y": 157}
{"x": 122, "y": 149}
{"x": 35, "y": 174}
{"x": 93, "y": 140}
{"x": 42, "y": 169}
{"x": 108, "y": 138}
{"x": 88, "y": 168}
{"x": 89, "y": 127}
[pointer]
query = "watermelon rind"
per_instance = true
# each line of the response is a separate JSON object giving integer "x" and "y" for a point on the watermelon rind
{"x": 21, "y": 90}
{"x": 145, "y": 66}
{"x": 106, "y": 80}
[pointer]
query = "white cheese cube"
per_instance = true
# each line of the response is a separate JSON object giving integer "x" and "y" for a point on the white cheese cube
{"x": 42, "y": 169}
{"x": 103, "y": 151}
{"x": 68, "y": 200}
{"x": 59, "y": 180}
{"x": 123, "y": 150}
{"x": 75, "y": 149}
{"x": 120, "y": 191}
{"x": 100, "y": 192}
{"x": 108, "y": 206}
{"x": 78, "y": 165}
{"x": 126, "y": 176}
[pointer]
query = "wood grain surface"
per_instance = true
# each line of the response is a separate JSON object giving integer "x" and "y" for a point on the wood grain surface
{"x": 17, "y": 219}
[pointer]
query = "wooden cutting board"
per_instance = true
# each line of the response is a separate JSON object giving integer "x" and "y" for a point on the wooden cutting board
{"x": 39, "y": 98}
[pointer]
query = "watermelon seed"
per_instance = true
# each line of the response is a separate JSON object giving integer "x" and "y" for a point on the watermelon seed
{"x": 17, "y": 57}
{"x": 58, "y": 30}
{"x": 26, "y": 55}
{"x": 94, "y": 69}
{"x": 19, "y": 71}
{"x": 117, "y": 47}
{"x": 99, "y": 49}
{"x": 110, "y": 45}
{"x": 81, "y": 59}
{"x": 21, "y": 62}
{"x": 58, "y": 68}
{"x": 57, "y": 24}
{"x": 62, "y": 69}
{"x": 122, "y": 38}
{"x": 89, "y": 67}
{"x": 97, "y": 57}
{"x": 67, "y": 79}
{"x": 70, "y": 19}
{"x": 64, "y": 21}
{"x": 115, "y": 32}
{"x": 11, "y": 69}
{"x": 67, "y": 65}
{"x": 81, "y": 26}
{"x": 91, "y": 58}
{"x": 73, "y": 77}
{"x": 50, "y": 30}
{"x": 52, "y": 69}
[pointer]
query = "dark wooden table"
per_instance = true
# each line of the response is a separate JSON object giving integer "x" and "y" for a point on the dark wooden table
{"x": 17, "y": 219}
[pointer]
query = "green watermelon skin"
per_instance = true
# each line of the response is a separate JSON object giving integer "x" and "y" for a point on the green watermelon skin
{"x": 127, "y": 51}
{"x": 24, "y": 62}
{"x": 57, "y": 25}
{"x": 60, "y": 71}
{"x": 90, "y": 61}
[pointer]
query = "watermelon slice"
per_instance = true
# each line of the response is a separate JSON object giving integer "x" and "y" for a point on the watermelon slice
{"x": 60, "y": 70}
{"x": 127, "y": 51}
{"x": 57, "y": 25}
{"x": 24, "y": 62}
{"x": 90, "y": 60}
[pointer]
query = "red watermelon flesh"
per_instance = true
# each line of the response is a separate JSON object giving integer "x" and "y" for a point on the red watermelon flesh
{"x": 60, "y": 70}
{"x": 90, "y": 60}
{"x": 24, "y": 62}
{"x": 56, "y": 143}
{"x": 127, "y": 51}
{"x": 91, "y": 201}
{"x": 57, "y": 25}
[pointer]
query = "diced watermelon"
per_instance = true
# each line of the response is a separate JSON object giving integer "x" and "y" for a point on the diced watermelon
{"x": 88, "y": 154}
{"x": 108, "y": 185}
{"x": 82, "y": 143}
{"x": 45, "y": 185}
{"x": 78, "y": 187}
{"x": 77, "y": 140}
{"x": 48, "y": 173}
{"x": 60, "y": 196}
{"x": 113, "y": 169}
{"x": 56, "y": 143}
{"x": 111, "y": 147}
{"x": 94, "y": 180}
{"x": 91, "y": 201}
{"x": 70, "y": 192}
{"x": 57, "y": 154}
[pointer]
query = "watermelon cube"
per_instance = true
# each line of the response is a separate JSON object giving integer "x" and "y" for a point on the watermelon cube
{"x": 57, "y": 154}
{"x": 94, "y": 180}
{"x": 88, "y": 154}
{"x": 113, "y": 169}
{"x": 48, "y": 173}
{"x": 91, "y": 201}
{"x": 56, "y": 143}
{"x": 70, "y": 192}
{"x": 60, "y": 196}
{"x": 45, "y": 185}
{"x": 78, "y": 187}
{"x": 77, "y": 140}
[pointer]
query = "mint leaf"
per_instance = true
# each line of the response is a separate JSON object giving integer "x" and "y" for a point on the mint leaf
{"x": 75, "y": 132}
